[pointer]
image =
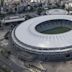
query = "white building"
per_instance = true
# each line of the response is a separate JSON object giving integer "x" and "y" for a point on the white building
{"x": 56, "y": 12}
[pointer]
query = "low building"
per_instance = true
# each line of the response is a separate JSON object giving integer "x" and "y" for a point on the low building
{"x": 56, "y": 12}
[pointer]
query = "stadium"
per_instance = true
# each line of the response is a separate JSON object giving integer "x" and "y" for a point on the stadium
{"x": 47, "y": 37}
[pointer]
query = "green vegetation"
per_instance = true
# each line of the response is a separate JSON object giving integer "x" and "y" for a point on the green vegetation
{"x": 2, "y": 16}
{"x": 5, "y": 53}
{"x": 4, "y": 69}
{"x": 2, "y": 2}
{"x": 56, "y": 30}
{"x": 39, "y": 10}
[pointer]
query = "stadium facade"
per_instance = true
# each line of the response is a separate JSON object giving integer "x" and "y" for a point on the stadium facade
{"x": 30, "y": 36}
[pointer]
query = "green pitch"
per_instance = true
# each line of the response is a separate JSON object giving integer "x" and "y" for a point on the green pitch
{"x": 56, "y": 30}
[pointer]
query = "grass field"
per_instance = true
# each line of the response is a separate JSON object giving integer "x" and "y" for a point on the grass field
{"x": 56, "y": 30}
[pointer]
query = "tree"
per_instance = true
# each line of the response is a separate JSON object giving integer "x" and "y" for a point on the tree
{"x": 27, "y": 17}
{"x": 39, "y": 10}
{"x": 2, "y": 2}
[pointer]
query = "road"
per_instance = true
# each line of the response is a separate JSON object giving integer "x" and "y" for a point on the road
{"x": 11, "y": 64}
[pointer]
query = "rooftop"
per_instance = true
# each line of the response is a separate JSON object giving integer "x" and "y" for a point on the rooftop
{"x": 25, "y": 34}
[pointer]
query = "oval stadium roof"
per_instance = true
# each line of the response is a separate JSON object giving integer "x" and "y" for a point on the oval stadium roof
{"x": 26, "y": 36}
